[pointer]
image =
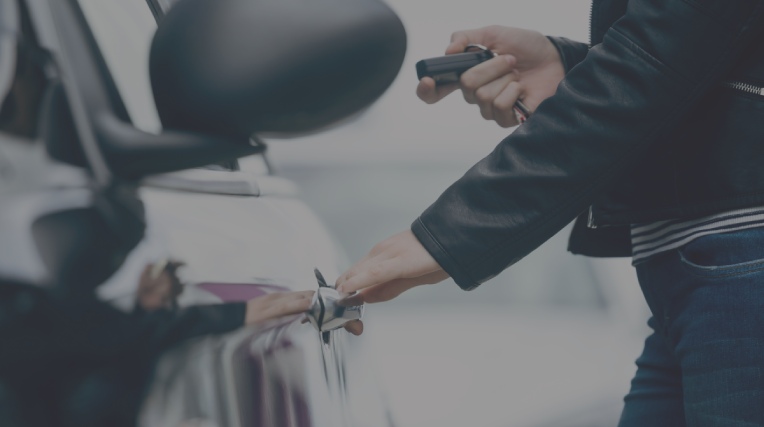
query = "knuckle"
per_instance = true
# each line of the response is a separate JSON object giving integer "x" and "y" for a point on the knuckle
{"x": 505, "y": 122}
{"x": 468, "y": 97}
{"x": 486, "y": 113}
{"x": 467, "y": 82}
{"x": 502, "y": 104}
{"x": 483, "y": 95}
{"x": 457, "y": 35}
{"x": 508, "y": 64}
{"x": 501, "y": 123}
{"x": 375, "y": 271}
{"x": 382, "y": 246}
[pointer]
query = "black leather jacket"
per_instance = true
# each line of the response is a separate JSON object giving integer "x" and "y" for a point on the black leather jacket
{"x": 644, "y": 127}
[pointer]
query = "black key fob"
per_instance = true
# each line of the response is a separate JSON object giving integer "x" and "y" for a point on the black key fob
{"x": 447, "y": 69}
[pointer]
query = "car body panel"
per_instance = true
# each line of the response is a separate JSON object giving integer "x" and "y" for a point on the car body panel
{"x": 238, "y": 247}
{"x": 241, "y": 233}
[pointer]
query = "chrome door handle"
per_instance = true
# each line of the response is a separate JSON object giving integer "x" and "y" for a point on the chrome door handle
{"x": 328, "y": 310}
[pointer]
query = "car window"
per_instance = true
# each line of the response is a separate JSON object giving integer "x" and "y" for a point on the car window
{"x": 123, "y": 30}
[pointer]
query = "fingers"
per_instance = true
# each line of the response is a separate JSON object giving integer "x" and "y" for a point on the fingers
{"x": 399, "y": 257}
{"x": 428, "y": 92}
{"x": 352, "y": 300}
{"x": 355, "y": 327}
{"x": 387, "y": 291}
{"x": 487, "y": 94}
{"x": 503, "y": 105}
{"x": 460, "y": 39}
{"x": 373, "y": 272}
{"x": 378, "y": 252}
{"x": 495, "y": 93}
{"x": 483, "y": 74}
{"x": 497, "y": 101}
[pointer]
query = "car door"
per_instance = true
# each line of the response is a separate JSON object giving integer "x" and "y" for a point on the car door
{"x": 241, "y": 234}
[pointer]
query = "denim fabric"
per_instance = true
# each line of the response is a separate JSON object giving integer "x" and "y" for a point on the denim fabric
{"x": 703, "y": 366}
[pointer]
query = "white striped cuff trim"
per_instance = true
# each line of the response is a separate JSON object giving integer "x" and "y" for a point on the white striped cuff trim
{"x": 684, "y": 224}
{"x": 690, "y": 238}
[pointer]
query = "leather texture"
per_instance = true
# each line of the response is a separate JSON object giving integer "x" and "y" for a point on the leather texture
{"x": 640, "y": 127}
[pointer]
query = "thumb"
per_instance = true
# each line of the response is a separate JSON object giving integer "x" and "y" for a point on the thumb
{"x": 459, "y": 41}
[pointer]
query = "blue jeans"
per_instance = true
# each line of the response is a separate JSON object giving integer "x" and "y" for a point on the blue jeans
{"x": 703, "y": 365}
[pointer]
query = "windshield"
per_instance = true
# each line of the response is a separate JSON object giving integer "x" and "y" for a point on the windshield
{"x": 123, "y": 30}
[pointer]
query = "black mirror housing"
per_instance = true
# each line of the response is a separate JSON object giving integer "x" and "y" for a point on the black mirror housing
{"x": 238, "y": 67}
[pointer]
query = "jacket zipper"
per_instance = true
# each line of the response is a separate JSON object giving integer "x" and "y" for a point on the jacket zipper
{"x": 745, "y": 87}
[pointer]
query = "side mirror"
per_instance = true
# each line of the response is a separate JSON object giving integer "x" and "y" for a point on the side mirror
{"x": 238, "y": 67}
{"x": 105, "y": 141}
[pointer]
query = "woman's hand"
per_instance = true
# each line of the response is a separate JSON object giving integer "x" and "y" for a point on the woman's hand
{"x": 528, "y": 68}
{"x": 391, "y": 268}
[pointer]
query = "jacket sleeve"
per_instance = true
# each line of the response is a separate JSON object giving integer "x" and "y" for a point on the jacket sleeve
{"x": 571, "y": 52}
{"x": 653, "y": 66}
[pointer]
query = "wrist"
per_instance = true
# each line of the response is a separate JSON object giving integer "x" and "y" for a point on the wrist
{"x": 569, "y": 52}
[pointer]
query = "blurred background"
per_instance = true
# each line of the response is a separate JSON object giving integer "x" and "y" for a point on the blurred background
{"x": 551, "y": 341}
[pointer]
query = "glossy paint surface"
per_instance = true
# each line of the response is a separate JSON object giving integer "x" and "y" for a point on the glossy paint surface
{"x": 237, "y": 248}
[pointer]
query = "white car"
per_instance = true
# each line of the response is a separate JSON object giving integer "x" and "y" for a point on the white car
{"x": 98, "y": 142}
